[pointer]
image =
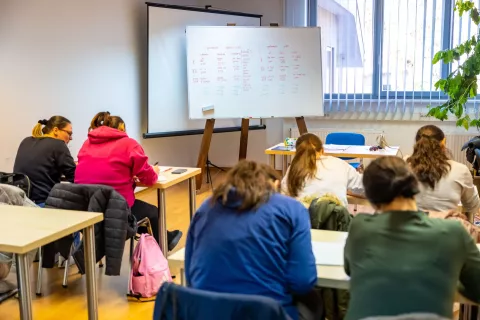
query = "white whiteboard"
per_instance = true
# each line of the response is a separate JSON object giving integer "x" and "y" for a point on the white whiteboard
{"x": 254, "y": 72}
{"x": 167, "y": 64}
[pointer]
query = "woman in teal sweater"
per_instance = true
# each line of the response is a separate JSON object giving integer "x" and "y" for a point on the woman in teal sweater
{"x": 399, "y": 260}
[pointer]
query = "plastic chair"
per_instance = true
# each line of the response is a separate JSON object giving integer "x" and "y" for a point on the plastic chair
{"x": 346, "y": 138}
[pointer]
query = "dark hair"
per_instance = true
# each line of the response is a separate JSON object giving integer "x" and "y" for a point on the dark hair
{"x": 304, "y": 163}
{"x": 98, "y": 120}
{"x": 387, "y": 178}
{"x": 115, "y": 122}
{"x": 429, "y": 160}
{"x": 46, "y": 126}
{"x": 252, "y": 183}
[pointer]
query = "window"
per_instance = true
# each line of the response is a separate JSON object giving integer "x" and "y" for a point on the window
{"x": 383, "y": 49}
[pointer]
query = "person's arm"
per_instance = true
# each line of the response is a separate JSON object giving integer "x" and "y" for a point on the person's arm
{"x": 469, "y": 198}
{"x": 189, "y": 246}
{"x": 301, "y": 272}
{"x": 354, "y": 180}
{"x": 470, "y": 273}
{"x": 65, "y": 163}
{"x": 141, "y": 168}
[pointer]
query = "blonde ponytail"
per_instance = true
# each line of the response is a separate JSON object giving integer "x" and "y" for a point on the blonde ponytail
{"x": 38, "y": 131}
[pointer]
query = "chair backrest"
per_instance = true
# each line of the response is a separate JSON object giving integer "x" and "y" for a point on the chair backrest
{"x": 345, "y": 138}
{"x": 174, "y": 302}
{"x": 18, "y": 180}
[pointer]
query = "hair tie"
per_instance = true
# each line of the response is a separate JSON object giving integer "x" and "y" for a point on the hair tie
{"x": 43, "y": 122}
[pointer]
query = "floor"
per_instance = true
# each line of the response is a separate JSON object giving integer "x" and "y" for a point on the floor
{"x": 57, "y": 302}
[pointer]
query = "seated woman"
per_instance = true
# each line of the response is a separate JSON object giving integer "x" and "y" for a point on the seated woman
{"x": 313, "y": 174}
{"x": 45, "y": 158}
{"x": 249, "y": 239}
{"x": 444, "y": 183}
{"x": 400, "y": 261}
{"x": 109, "y": 157}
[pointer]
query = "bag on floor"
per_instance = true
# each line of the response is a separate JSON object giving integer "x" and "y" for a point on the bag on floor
{"x": 149, "y": 268}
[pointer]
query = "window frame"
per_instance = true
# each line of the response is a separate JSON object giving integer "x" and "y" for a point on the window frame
{"x": 378, "y": 37}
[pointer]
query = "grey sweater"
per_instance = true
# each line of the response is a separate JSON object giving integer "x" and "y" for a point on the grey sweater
{"x": 454, "y": 188}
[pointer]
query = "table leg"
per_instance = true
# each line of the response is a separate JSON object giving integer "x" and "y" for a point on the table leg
{"x": 90, "y": 261}
{"x": 272, "y": 160}
{"x": 23, "y": 278}
{"x": 193, "y": 196}
{"x": 162, "y": 222}
{"x": 182, "y": 277}
{"x": 284, "y": 165}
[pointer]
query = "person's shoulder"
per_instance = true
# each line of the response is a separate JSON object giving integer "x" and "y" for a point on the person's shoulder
{"x": 334, "y": 160}
{"x": 285, "y": 200}
{"x": 458, "y": 167}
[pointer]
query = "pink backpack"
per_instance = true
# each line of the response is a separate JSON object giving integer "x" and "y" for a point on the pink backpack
{"x": 149, "y": 268}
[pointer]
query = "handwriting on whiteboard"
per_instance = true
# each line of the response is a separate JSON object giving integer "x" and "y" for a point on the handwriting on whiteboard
{"x": 237, "y": 70}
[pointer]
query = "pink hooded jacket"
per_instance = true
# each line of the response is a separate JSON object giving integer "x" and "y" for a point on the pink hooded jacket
{"x": 111, "y": 158}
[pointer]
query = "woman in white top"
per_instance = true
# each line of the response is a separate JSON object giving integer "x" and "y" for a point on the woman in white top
{"x": 313, "y": 174}
{"x": 444, "y": 183}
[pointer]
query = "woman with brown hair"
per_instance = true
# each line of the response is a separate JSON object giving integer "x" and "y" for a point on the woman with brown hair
{"x": 399, "y": 245}
{"x": 313, "y": 174}
{"x": 444, "y": 183}
{"x": 249, "y": 239}
{"x": 109, "y": 157}
{"x": 45, "y": 158}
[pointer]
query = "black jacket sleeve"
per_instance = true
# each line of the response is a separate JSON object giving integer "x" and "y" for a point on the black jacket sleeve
{"x": 65, "y": 163}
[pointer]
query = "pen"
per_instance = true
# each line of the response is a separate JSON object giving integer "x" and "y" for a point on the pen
{"x": 155, "y": 164}
{"x": 168, "y": 169}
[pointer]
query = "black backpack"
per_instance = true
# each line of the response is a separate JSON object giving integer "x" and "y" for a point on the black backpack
{"x": 18, "y": 180}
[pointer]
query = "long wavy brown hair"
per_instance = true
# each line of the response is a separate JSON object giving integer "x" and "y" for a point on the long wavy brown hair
{"x": 253, "y": 184}
{"x": 304, "y": 163}
{"x": 429, "y": 160}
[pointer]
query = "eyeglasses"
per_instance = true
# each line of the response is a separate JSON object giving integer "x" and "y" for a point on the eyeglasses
{"x": 68, "y": 132}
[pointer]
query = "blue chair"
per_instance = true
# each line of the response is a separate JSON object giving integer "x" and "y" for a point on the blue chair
{"x": 346, "y": 138}
{"x": 174, "y": 302}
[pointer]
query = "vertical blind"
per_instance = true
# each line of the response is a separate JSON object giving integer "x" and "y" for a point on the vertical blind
{"x": 377, "y": 54}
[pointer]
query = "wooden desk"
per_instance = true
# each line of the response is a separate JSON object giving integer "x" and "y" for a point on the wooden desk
{"x": 341, "y": 151}
{"x": 166, "y": 180}
{"x": 25, "y": 229}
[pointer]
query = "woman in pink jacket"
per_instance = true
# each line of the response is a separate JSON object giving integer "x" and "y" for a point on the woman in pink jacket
{"x": 109, "y": 157}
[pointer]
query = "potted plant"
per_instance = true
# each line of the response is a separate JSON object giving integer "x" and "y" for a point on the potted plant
{"x": 461, "y": 83}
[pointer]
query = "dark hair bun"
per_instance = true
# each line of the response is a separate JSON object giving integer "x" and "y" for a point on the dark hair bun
{"x": 43, "y": 122}
{"x": 405, "y": 186}
{"x": 387, "y": 178}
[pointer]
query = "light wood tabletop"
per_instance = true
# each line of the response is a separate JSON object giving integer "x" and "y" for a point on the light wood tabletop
{"x": 166, "y": 179}
{"x": 24, "y": 229}
{"x": 344, "y": 151}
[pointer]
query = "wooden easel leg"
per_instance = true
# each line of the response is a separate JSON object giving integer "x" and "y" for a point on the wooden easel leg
{"x": 244, "y": 139}
{"x": 302, "y": 126}
{"x": 204, "y": 148}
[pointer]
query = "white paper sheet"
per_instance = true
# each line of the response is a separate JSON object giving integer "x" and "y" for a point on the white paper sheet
{"x": 328, "y": 253}
{"x": 161, "y": 178}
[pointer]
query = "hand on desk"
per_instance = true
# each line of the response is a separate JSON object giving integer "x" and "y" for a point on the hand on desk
{"x": 156, "y": 169}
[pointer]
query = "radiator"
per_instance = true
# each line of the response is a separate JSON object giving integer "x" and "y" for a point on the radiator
{"x": 454, "y": 146}
{"x": 454, "y": 141}
{"x": 370, "y": 135}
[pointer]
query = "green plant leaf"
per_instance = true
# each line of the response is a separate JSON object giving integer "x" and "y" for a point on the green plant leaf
{"x": 438, "y": 56}
{"x": 475, "y": 16}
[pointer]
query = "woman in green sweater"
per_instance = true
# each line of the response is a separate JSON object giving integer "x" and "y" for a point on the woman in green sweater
{"x": 399, "y": 260}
